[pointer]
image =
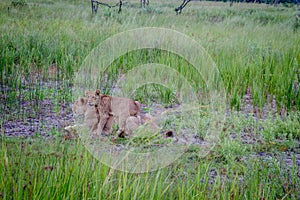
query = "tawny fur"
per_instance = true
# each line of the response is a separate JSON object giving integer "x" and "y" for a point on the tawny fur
{"x": 119, "y": 107}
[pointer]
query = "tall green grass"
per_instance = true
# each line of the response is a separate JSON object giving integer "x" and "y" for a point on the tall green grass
{"x": 60, "y": 169}
{"x": 254, "y": 47}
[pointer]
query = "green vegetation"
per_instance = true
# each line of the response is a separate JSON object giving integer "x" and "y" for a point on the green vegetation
{"x": 253, "y": 46}
{"x": 39, "y": 168}
{"x": 256, "y": 49}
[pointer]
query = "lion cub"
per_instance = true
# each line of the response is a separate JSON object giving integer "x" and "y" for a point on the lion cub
{"x": 119, "y": 107}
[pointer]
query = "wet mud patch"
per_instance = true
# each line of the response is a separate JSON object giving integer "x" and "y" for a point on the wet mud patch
{"x": 35, "y": 109}
{"x": 30, "y": 120}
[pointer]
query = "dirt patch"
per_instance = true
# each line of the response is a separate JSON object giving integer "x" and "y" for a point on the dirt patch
{"x": 42, "y": 121}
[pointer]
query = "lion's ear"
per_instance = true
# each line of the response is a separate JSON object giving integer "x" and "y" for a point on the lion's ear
{"x": 97, "y": 92}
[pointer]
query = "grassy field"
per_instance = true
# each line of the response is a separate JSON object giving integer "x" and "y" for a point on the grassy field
{"x": 256, "y": 49}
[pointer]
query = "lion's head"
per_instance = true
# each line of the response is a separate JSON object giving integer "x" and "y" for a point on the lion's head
{"x": 101, "y": 101}
{"x": 80, "y": 105}
{"x": 93, "y": 98}
{"x": 84, "y": 113}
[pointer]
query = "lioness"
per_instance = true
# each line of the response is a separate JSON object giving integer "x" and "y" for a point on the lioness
{"x": 91, "y": 117}
{"x": 80, "y": 109}
{"x": 122, "y": 108}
